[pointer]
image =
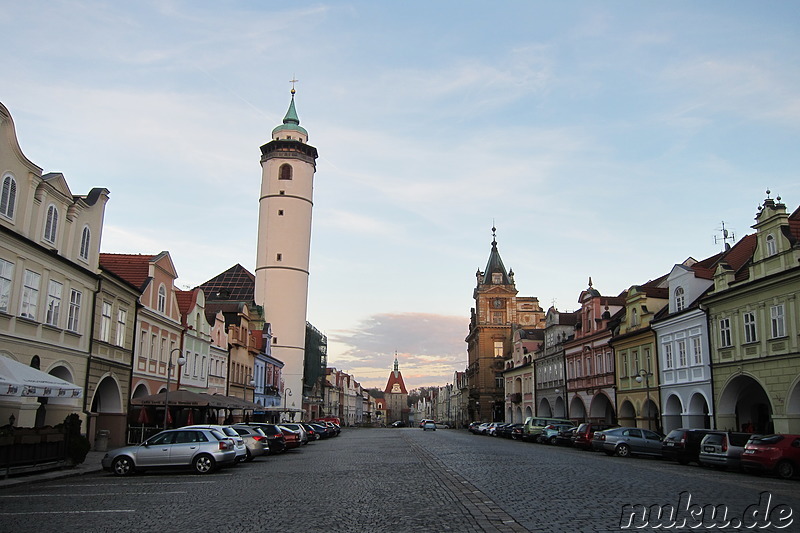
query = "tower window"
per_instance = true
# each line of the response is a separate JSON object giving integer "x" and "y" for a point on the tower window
{"x": 285, "y": 172}
{"x": 282, "y": 193}
{"x": 279, "y": 257}
{"x": 280, "y": 212}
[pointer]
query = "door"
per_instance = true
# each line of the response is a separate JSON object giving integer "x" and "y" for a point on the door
{"x": 185, "y": 447}
{"x": 155, "y": 451}
{"x": 652, "y": 442}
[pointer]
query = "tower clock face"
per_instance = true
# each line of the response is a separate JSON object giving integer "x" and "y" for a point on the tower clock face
{"x": 497, "y": 303}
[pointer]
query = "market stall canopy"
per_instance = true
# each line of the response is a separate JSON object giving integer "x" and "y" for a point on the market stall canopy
{"x": 177, "y": 398}
{"x": 232, "y": 402}
{"x": 18, "y": 379}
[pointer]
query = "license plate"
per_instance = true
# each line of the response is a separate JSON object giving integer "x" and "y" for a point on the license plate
{"x": 670, "y": 444}
{"x": 709, "y": 449}
{"x": 748, "y": 452}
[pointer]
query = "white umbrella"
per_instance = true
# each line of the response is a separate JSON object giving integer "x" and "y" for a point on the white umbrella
{"x": 17, "y": 379}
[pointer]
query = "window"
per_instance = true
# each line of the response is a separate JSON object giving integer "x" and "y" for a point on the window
{"x": 105, "y": 322}
{"x": 497, "y": 318}
{"x": 152, "y": 346}
{"x": 668, "y": 362}
{"x": 30, "y": 295}
{"x": 682, "y": 353}
{"x": 680, "y": 300}
{"x": 51, "y": 226}
{"x": 142, "y": 341}
{"x": 725, "y": 332}
{"x": 53, "y": 303}
{"x": 162, "y": 299}
{"x": 279, "y": 257}
{"x": 777, "y": 320}
{"x": 73, "y": 317}
{"x": 647, "y": 361}
{"x": 624, "y": 369}
{"x": 6, "y": 273}
{"x": 636, "y": 365}
{"x": 697, "y": 350}
{"x": 122, "y": 318}
{"x": 280, "y": 212}
{"x": 749, "y": 319}
{"x": 634, "y": 317}
{"x": 285, "y": 172}
{"x": 598, "y": 364}
{"x": 8, "y": 197}
{"x": 86, "y": 238}
{"x": 163, "y": 352}
{"x": 772, "y": 247}
{"x": 497, "y": 278}
{"x": 498, "y": 348}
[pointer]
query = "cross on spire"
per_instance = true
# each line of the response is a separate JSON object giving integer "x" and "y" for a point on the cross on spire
{"x": 293, "y": 81}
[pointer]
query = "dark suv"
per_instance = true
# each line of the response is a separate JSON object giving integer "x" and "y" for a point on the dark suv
{"x": 683, "y": 445}
{"x": 275, "y": 437}
{"x": 585, "y": 433}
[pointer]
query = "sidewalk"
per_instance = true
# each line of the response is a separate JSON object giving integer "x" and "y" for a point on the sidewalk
{"x": 91, "y": 464}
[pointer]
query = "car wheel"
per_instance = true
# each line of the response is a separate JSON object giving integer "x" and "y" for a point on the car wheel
{"x": 551, "y": 440}
{"x": 203, "y": 464}
{"x": 248, "y": 456}
{"x": 623, "y": 450}
{"x": 785, "y": 470}
{"x": 122, "y": 466}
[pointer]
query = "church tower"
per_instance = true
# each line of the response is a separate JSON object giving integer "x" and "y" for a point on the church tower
{"x": 288, "y": 164}
{"x": 497, "y": 309}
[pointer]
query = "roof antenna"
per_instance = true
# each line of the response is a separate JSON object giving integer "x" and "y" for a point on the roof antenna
{"x": 726, "y": 236}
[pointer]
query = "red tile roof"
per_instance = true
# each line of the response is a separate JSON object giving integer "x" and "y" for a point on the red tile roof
{"x": 395, "y": 377}
{"x": 133, "y": 268}
{"x": 186, "y": 301}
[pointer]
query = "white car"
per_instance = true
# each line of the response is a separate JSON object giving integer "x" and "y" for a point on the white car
{"x": 429, "y": 424}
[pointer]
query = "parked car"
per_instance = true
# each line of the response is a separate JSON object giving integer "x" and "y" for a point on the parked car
{"x": 551, "y": 431}
{"x": 398, "y": 424}
{"x": 473, "y": 427}
{"x": 516, "y": 431}
{"x": 491, "y": 429}
{"x": 324, "y": 432}
{"x": 241, "y": 448}
{"x": 534, "y": 426}
{"x": 422, "y": 422}
{"x": 723, "y": 449}
{"x": 292, "y": 437}
{"x": 202, "y": 449}
{"x": 566, "y": 437}
{"x": 585, "y": 433}
{"x": 255, "y": 441}
{"x": 507, "y": 430}
{"x": 429, "y": 424}
{"x": 275, "y": 439}
{"x": 297, "y": 427}
{"x": 312, "y": 433}
{"x": 779, "y": 454}
{"x": 627, "y": 441}
{"x": 683, "y": 445}
{"x": 482, "y": 428}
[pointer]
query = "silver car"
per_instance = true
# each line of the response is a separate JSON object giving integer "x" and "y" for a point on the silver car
{"x": 723, "y": 449}
{"x": 228, "y": 431}
{"x": 254, "y": 439}
{"x": 204, "y": 450}
{"x": 625, "y": 442}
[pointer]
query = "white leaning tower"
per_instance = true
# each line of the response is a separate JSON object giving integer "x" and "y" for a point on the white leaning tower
{"x": 284, "y": 242}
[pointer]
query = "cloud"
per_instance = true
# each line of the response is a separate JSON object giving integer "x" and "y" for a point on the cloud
{"x": 430, "y": 348}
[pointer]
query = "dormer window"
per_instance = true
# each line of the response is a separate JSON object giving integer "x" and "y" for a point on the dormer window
{"x": 772, "y": 247}
{"x": 680, "y": 301}
{"x": 634, "y": 317}
{"x": 497, "y": 278}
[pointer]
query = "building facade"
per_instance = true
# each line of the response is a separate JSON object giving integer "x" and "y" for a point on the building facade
{"x": 550, "y": 372}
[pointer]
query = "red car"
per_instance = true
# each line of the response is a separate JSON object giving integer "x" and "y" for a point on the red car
{"x": 292, "y": 438}
{"x": 773, "y": 453}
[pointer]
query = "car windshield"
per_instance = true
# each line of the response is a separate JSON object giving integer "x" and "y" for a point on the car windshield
{"x": 218, "y": 435}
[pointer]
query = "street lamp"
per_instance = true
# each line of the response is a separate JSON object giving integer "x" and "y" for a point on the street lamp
{"x": 252, "y": 383}
{"x": 646, "y": 375}
{"x": 286, "y": 392}
{"x": 181, "y": 361}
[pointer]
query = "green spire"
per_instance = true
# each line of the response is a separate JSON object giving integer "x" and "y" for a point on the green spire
{"x": 291, "y": 122}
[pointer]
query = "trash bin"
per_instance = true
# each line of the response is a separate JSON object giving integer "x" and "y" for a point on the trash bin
{"x": 101, "y": 440}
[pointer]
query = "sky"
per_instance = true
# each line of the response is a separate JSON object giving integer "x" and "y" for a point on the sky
{"x": 602, "y": 139}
